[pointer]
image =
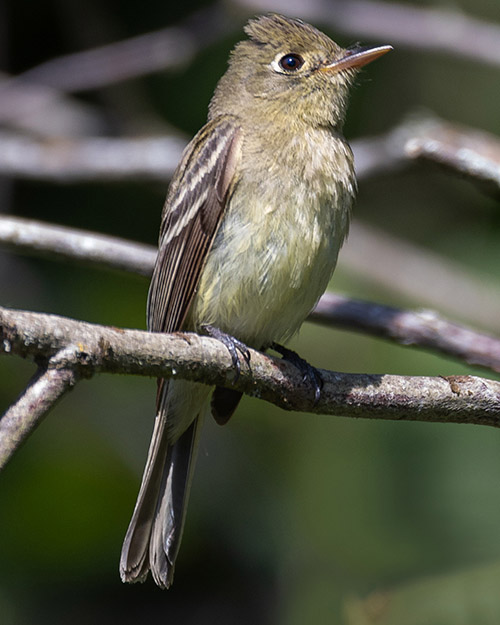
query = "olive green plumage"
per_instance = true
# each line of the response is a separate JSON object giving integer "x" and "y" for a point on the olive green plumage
{"x": 252, "y": 225}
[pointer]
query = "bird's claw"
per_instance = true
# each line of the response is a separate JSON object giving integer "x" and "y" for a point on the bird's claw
{"x": 309, "y": 373}
{"x": 232, "y": 345}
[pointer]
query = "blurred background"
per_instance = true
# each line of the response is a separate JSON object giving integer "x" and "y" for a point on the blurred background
{"x": 293, "y": 518}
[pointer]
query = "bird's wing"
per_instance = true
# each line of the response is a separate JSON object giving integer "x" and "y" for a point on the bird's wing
{"x": 198, "y": 194}
{"x": 193, "y": 209}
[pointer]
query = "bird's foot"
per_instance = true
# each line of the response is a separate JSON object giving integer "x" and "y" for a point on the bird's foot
{"x": 232, "y": 344}
{"x": 309, "y": 373}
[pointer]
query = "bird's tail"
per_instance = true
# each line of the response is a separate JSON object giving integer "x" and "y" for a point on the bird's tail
{"x": 154, "y": 534}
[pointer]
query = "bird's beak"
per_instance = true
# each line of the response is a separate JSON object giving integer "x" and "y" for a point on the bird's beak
{"x": 356, "y": 57}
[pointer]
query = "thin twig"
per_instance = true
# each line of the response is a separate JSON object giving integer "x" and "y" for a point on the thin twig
{"x": 422, "y": 28}
{"x": 89, "y": 159}
{"x": 422, "y": 275}
{"x": 38, "y": 99}
{"x": 421, "y": 328}
{"x": 467, "y": 152}
{"x": 432, "y": 29}
{"x": 424, "y": 329}
{"x": 90, "y": 248}
{"x": 464, "y": 151}
{"x": 47, "y": 112}
{"x": 167, "y": 48}
{"x": 44, "y": 390}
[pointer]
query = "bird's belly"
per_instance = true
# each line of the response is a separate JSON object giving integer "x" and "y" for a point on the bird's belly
{"x": 264, "y": 275}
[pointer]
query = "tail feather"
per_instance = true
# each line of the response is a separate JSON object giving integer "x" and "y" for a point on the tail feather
{"x": 168, "y": 524}
{"x": 154, "y": 534}
{"x": 134, "y": 560}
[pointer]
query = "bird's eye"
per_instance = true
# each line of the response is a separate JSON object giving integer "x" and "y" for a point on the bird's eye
{"x": 291, "y": 62}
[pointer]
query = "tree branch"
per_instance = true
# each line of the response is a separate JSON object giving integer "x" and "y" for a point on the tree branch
{"x": 462, "y": 150}
{"x": 30, "y": 236}
{"x": 87, "y": 349}
{"x": 418, "y": 328}
{"x": 421, "y": 274}
{"x": 94, "y": 158}
{"x": 422, "y": 328}
{"x": 34, "y": 108}
{"x": 39, "y": 397}
{"x": 430, "y": 29}
{"x": 168, "y": 48}
{"x": 422, "y": 28}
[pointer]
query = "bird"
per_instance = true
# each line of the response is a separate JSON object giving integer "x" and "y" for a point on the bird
{"x": 251, "y": 228}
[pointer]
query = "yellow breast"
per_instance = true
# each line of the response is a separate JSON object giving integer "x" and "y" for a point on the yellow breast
{"x": 276, "y": 248}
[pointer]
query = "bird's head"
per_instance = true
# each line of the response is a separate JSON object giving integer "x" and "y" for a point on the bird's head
{"x": 290, "y": 68}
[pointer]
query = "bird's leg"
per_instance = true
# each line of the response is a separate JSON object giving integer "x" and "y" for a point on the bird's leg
{"x": 232, "y": 344}
{"x": 309, "y": 373}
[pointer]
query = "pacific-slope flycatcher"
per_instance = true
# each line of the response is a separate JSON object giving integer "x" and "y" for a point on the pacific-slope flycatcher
{"x": 253, "y": 221}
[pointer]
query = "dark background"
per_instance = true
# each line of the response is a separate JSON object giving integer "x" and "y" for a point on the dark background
{"x": 293, "y": 518}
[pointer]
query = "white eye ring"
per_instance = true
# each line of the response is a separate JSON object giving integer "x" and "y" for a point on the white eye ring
{"x": 280, "y": 61}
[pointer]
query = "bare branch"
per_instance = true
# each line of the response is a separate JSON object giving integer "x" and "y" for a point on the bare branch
{"x": 38, "y": 99}
{"x": 424, "y": 328}
{"x": 46, "y": 111}
{"x": 425, "y": 276}
{"x": 409, "y": 26}
{"x": 80, "y": 245}
{"x": 462, "y": 150}
{"x": 39, "y": 397}
{"x": 89, "y": 159}
{"x": 465, "y": 151}
{"x": 168, "y": 48}
{"x": 94, "y": 349}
